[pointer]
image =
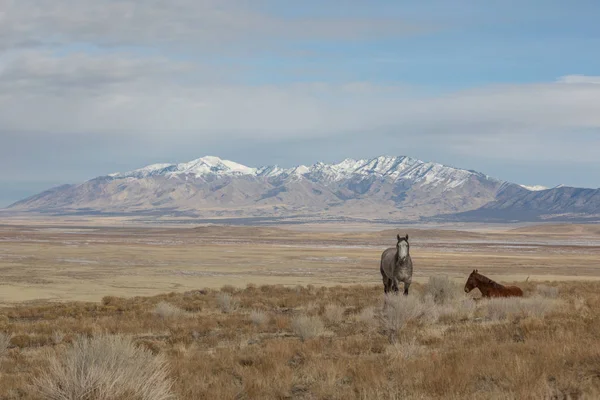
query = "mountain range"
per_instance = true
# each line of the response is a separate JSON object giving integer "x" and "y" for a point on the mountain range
{"x": 384, "y": 188}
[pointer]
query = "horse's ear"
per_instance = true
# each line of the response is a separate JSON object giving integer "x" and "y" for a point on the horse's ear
{"x": 398, "y": 236}
{"x": 407, "y": 237}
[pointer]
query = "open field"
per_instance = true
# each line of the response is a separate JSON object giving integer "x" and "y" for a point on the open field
{"x": 275, "y": 342}
{"x": 79, "y": 262}
{"x": 220, "y": 312}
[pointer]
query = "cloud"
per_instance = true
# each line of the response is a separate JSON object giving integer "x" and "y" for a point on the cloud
{"x": 104, "y": 80}
{"x": 580, "y": 79}
{"x": 148, "y": 96}
{"x": 206, "y": 24}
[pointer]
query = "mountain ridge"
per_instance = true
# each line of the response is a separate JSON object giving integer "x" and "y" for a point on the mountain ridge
{"x": 392, "y": 187}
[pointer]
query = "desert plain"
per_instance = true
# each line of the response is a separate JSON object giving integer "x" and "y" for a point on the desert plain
{"x": 98, "y": 308}
{"x": 72, "y": 261}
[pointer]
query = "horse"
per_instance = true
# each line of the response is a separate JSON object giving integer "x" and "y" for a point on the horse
{"x": 396, "y": 266}
{"x": 489, "y": 288}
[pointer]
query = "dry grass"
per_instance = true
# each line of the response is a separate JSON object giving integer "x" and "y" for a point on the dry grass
{"x": 441, "y": 289}
{"x": 307, "y": 327}
{"x": 535, "y": 347}
{"x": 104, "y": 368}
{"x": 4, "y": 342}
{"x": 166, "y": 310}
{"x": 503, "y": 308}
{"x": 226, "y": 302}
{"x": 334, "y": 313}
{"x": 259, "y": 317}
{"x": 550, "y": 292}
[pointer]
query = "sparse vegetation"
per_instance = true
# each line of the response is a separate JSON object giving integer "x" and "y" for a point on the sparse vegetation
{"x": 334, "y": 313}
{"x": 455, "y": 350}
{"x": 104, "y": 368}
{"x": 550, "y": 292}
{"x": 441, "y": 289}
{"x": 307, "y": 327}
{"x": 503, "y": 308}
{"x": 226, "y": 302}
{"x": 399, "y": 310}
{"x": 166, "y": 310}
{"x": 259, "y": 317}
{"x": 4, "y": 342}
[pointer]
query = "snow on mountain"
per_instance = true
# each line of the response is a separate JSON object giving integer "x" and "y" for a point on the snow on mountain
{"x": 394, "y": 168}
{"x": 199, "y": 167}
{"x": 534, "y": 188}
{"x": 382, "y": 187}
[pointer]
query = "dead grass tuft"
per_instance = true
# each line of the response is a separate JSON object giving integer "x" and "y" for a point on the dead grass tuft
{"x": 307, "y": 327}
{"x": 4, "y": 342}
{"x": 550, "y": 292}
{"x": 166, "y": 310}
{"x": 503, "y": 308}
{"x": 334, "y": 313}
{"x": 259, "y": 317}
{"x": 441, "y": 289}
{"x": 103, "y": 368}
{"x": 227, "y": 303}
{"x": 399, "y": 310}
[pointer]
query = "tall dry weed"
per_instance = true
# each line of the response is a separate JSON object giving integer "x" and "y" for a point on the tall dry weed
{"x": 399, "y": 310}
{"x": 502, "y": 308}
{"x": 307, "y": 327}
{"x": 259, "y": 317}
{"x": 550, "y": 292}
{"x": 334, "y": 313}
{"x": 106, "y": 367}
{"x": 227, "y": 303}
{"x": 166, "y": 310}
{"x": 4, "y": 342}
{"x": 441, "y": 289}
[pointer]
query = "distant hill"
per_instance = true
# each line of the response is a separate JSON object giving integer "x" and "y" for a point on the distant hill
{"x": 383, "y": 188}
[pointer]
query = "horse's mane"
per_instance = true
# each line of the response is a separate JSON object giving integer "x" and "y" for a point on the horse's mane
{"x": 485, "y": 279}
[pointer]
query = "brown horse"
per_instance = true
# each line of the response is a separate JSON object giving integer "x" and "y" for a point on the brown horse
{"x": 489, "y": 288}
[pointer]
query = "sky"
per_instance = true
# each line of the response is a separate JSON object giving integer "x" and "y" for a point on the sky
{"x": 91, "y": 87}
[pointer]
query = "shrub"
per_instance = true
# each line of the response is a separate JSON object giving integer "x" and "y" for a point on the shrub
{"x": 441, "y": 289}
{"x": 459, "y": 309}
{"x": 550, "y": 292}
{"x": 102, "y": 368}
{"x": 226, "y": 303}
{"x": 367, "y": 315}
{"x": 307, "y": 327}
{"x": 406, "y": 350}
{"x": 334, "y": 313}
{"x": 4, "y": 342}
{"x": 258, "y": 317}
{"x": 399, "y": 310}
{"x": 502, "y": 308}
{"x": 57, "y": 337}
{"x": 166, "y": 310}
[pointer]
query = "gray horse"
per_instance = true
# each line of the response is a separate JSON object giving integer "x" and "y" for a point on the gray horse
{"x": 396, "y": 266}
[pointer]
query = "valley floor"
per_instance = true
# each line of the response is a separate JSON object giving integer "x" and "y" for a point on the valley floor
{"x": 219, "y": 312}
{"x": 89, "y": 260}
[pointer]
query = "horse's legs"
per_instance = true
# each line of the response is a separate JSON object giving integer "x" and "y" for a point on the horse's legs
{"x": 406, "y": 286}
{"x": 395, "y": 285}
{"x": 386, "y": 284}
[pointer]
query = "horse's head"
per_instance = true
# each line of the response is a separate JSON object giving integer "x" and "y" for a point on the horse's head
{"x": 403, "y": 247}
{"x": 471, "y": 282}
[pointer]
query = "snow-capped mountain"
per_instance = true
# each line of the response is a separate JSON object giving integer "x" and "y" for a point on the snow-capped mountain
{"x": 395, "y": 168}
{"x": 383, "y": 188}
